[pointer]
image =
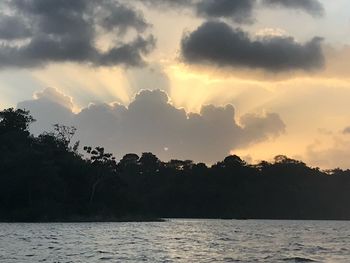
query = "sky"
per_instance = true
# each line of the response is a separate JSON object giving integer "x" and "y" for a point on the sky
{"x": 185, "y": 79}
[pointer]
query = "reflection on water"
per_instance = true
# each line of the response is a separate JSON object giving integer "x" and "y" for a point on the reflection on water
{"x": 177, "y": 241}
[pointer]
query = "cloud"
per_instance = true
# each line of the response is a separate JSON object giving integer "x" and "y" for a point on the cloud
{"x": 337, "y": 61}
{"x": 333, "y": 154}
{"x": 113, "y": 15}
{"x": 12, "y": 28}
{"x": 49, "y": 107}
{"x": 67, "y": 31}
{"x": 239, "y": 11}
{"x": 55, "y": 96}
{"x": 313, "y": 7}
{"x": 152, "y": 123}
{"x": 346, "y": 130}
{"x": 150, "y": 78}
{"x": 168, "y": 3}
{"x": 218, "y": 44}
{"x": 258, "y": 126}
{"x": 129, "y": 54}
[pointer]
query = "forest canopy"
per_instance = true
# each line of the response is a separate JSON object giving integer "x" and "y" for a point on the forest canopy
{"x": 51, "y": 177}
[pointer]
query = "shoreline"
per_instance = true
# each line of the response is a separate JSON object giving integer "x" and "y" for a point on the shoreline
{"x": 155, "y": 220}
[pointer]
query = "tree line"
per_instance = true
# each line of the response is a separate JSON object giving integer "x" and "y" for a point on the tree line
{"x": 48, "y": 178}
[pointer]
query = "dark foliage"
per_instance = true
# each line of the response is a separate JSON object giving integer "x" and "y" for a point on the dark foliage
{"x": 45, "y": 178}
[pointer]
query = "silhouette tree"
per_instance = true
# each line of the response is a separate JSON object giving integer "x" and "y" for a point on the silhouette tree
{"x": 15, "y": 120}
{"x": 104, "y": 165}
{"x": 128, "y": 163}
{"x": 150, "y": 164}
{"x": 179, "y": 165}
{"x": 233, "y": 161}
{"x": 64, "y": 134}
{"x": 45, "y": 178}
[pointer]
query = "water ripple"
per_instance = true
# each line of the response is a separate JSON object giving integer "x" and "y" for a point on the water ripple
{"x": 177, "y": 241}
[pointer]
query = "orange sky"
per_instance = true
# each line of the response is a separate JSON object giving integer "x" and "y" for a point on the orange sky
{"x": 313, "y": 105}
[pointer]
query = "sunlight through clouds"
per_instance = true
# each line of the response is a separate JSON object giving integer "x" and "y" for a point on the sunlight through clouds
{"x": 308, "y": 97}
{"x": 87, "y": 84}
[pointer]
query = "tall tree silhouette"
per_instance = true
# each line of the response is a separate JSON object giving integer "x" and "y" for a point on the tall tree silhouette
{"x": 46, "y": 178}
{"x": 104, "y": 165}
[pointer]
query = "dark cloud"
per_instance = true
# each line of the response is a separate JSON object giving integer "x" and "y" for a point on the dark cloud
{"x": 216, "y": 43}
{"x": 152, "y": 123}
{"x": 313, "y": 7}
{"x": 239, "y": 10}
{"x": 116, "y": 16}
{"x": 346, "y": 130}
{"x": 66, "y": 31}
{"x": 12, "y": 28}
{"x": 169, "y": 3}
{"x": 128, "y": 54}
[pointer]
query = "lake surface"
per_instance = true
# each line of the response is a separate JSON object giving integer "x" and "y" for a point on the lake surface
{"x": 177, "y": 241}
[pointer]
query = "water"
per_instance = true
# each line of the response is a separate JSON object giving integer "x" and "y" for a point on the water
{"x": 177, "y": 241}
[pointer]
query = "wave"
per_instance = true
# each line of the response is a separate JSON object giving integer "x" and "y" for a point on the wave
{"x": 298, "y": 259}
